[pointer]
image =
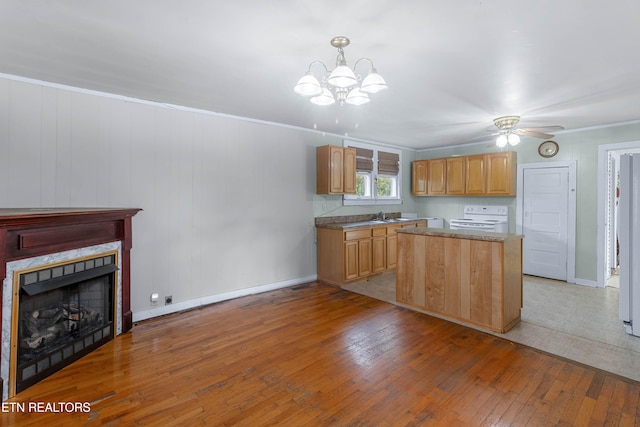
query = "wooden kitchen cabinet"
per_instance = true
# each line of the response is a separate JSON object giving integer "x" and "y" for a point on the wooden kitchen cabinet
{"x": 335, "y": 170}
{"x": 456, "y": 176}
{"x": 357, "y": 253}
{"x": 501, "y": 174}
{"x": 379, "y": 250}
{"x": 474, "y": 279}
{"x": 419, "y": 177}
{"x": 349, "y": 254}
{"x": 491, "y": 174}
{"x": 476, "y": 175}
{"x": 437, "y": 177}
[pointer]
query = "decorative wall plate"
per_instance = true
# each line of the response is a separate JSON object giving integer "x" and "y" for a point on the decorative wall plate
{"x": 548, "y": 149}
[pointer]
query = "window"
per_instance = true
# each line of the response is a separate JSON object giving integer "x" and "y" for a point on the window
{"x": 378, "y": 175}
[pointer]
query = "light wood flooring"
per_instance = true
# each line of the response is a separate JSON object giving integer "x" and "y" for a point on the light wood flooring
{"x": 577, "y": 322}
{"x": 318, "y": 355}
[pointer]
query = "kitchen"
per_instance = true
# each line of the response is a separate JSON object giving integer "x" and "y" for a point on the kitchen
{"x": 228, "y": 197}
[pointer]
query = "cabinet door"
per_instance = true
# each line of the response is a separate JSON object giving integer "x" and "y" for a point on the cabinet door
{"x": 350, "y": 260}
{"x": 378, "y": 254}
{"x": 419, "y": 177}
{"x": 456, "y": 175}
{"x": 336, "y": 173}
{"x": 392, "y": 250}
{"x": 501, "y": 174}
{"x": 437, "y": 173}
{"x": 349, "y": 171}
{"x": 329, "y": 169}
{"x": 476, "y": 175}
{"x": 364, "y": 257}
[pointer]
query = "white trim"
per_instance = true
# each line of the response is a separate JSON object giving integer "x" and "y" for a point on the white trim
{"x": 603, "y": 158}
{"x": 188, "y": 109}
{"x": 572, "y": 202}
{"x": 590, "y": 283}
{"x": 372, "y": 201}
{"x": 211, "y": 299}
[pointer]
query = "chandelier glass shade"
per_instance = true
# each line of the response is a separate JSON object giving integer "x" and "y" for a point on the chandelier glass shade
{"x": 342, "y": 84}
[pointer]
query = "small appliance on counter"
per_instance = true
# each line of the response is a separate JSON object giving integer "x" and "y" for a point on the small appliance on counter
{"x": 435, "y": 222}
{"x": 483, "y": 218}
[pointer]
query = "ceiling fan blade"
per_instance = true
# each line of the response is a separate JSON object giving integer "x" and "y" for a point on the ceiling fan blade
{"x": 543, "y": 128}
{"x": 526, "y": 132}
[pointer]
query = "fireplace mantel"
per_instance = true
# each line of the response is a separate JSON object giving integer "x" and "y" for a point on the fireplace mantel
{"x": 31, "y": 232}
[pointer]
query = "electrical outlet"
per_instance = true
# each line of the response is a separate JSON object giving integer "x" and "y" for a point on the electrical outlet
{"x": 168, "y": 300}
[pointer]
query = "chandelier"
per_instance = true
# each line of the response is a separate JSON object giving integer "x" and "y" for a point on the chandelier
{"x": 342, "y": 84}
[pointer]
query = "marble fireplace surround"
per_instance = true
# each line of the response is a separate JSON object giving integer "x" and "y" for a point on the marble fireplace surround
{"x": 38, "y": 236}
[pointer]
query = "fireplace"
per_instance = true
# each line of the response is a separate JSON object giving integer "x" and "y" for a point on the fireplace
{"x": 66, "y": 288}
{"x": 63, "y": 312}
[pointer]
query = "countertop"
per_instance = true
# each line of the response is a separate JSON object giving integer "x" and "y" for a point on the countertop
{"x": 367, "y": 223}
{"x": 461, "y": 234}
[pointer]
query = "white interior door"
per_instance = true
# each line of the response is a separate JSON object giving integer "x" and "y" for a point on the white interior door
{"x": 545, "y": 222}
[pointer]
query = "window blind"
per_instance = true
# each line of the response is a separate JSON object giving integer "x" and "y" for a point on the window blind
{"x": 388, "y": 163}
{"x": 364, "y": 160}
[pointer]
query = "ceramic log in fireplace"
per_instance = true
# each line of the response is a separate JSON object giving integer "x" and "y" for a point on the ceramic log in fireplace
{"x": 61, "y": 307}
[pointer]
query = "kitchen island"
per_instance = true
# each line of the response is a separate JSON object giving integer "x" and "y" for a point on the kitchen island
{"x": 473, "y": 277}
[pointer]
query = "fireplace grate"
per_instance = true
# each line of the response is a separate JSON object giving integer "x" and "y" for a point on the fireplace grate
{"x": 37, "y": 369}
{"x": 64, "y": 312}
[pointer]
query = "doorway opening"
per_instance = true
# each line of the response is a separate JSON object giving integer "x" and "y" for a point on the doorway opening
{"x": 608, "y": 170}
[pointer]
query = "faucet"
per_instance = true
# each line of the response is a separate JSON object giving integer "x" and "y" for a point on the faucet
{"x": 381, "y": 216}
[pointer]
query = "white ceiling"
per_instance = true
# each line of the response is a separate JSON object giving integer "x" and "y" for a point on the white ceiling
{"x": 452, "y": 66}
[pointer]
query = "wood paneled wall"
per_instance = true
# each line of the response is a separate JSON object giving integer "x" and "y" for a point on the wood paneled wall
{"x": 227, "y": 203}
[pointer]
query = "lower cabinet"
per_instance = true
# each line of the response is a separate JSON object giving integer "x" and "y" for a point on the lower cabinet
{"x": 475, "y": 281}
{"x": 392, "y": 249}
{"x": 346, "y": 255}
{"x": 357, "y": 259}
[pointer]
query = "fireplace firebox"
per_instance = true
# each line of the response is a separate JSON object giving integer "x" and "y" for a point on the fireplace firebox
{"x": 64, "y": 312}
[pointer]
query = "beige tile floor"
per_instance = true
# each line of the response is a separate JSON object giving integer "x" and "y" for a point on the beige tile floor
{"x": 572, "y": 321}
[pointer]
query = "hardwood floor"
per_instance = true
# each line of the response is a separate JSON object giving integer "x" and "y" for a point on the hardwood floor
{"x": 319, "y": 355}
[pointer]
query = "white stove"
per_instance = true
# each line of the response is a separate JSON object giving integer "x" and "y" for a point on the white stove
{"x": 483, "y": 218}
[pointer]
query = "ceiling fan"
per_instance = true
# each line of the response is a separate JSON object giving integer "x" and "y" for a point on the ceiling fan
{"x": 511, "y": 136}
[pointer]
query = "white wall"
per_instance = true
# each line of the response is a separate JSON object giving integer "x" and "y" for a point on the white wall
{"x": 581, "y": 146}
{"x": 228, "y": 204}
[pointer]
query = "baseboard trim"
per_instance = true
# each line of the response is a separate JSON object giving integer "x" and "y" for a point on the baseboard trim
{"x": 199, "y": 302}
{"x": 585, "y": 282}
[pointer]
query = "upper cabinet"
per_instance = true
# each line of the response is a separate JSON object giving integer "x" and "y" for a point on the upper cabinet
{"x": 476, "y": 171}
{"x": 456, "y": 176}
{"x": 501, "y": 174}
{"x": 419, "y": 177}
{"x": 335, "y": 170}
{"x": 437, "y": 177}
{"x": 477, "y": 175}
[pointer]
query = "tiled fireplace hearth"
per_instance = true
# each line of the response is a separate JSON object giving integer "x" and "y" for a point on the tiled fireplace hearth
{"x": 66, "y": 288}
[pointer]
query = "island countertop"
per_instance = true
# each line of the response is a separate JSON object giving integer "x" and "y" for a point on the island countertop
{"x": 462, "y": 234}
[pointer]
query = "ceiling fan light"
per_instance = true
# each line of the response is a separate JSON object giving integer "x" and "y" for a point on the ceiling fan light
{"x": 342, "y": 76}
{"x": 357, "y": 97}
{"x": 513, "y": 139}
{"x": 373, "y": 83}
{"x": 325, "y": 98}
{"x": 308, "y": 85}
{"x": 502, "y": 140}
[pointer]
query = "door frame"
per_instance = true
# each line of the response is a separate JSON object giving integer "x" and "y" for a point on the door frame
{"x": 571, "y": 208}
{"x": 602, "y": 206}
